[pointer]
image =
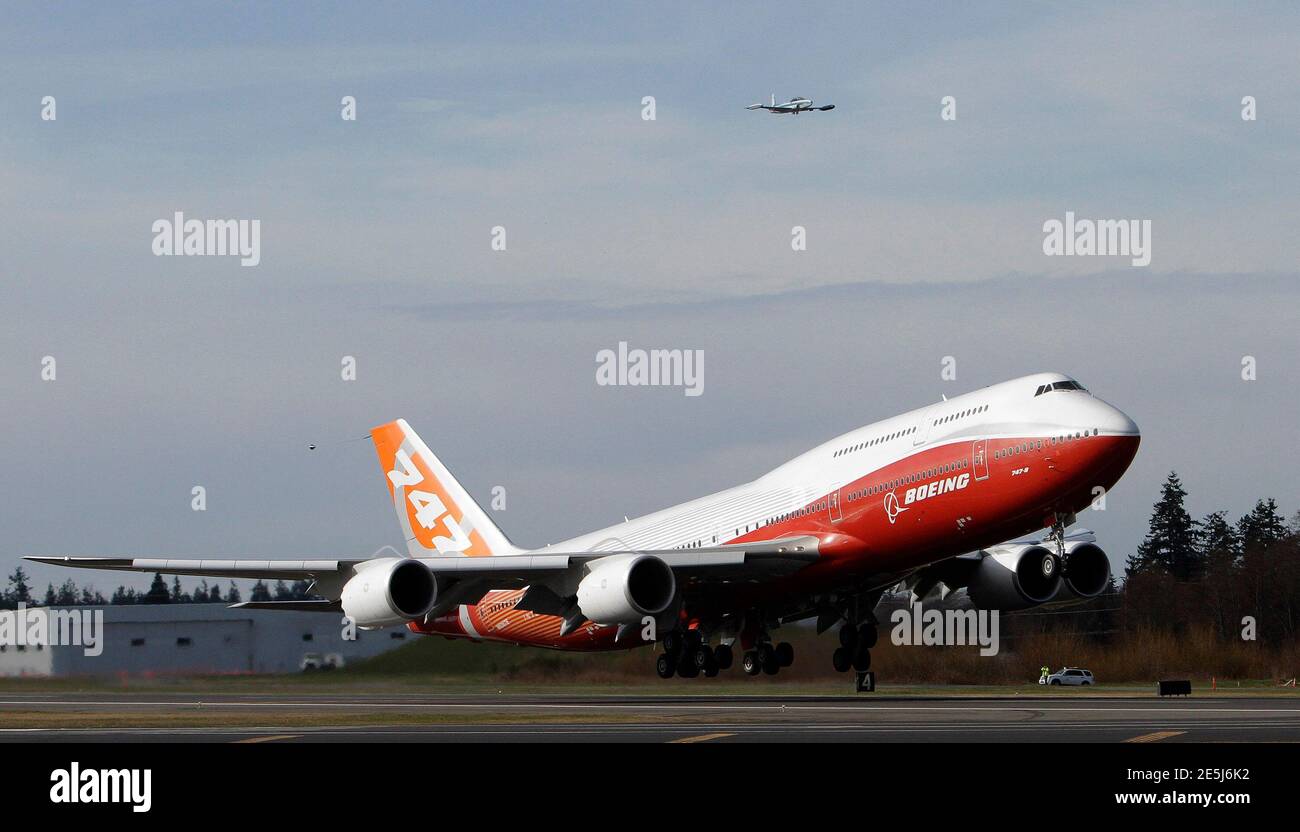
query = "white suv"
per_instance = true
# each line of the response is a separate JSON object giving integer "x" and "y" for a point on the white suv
{"x": 1071, "y": 676}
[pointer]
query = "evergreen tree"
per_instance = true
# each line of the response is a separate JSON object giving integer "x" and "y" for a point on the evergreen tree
{"x": 1263, "y": 527}
{"x": 1171, "y": 542}
{"x": 177, "y": 595}
{"x": 282, "y": 592}
{"x": 1219, "y": 540}
{"x": 232, "y": 595}
{"x": 1133, "y": 565}
{"x": 201, "y": 592}
{"x": 214, "y": 595}
{"x": 67, "y": 596}
{"x": 157, "y": 593}
{"x": 260, "y": 592}
{"x": 20, "y": 592}
{"x": 50, "y": 597}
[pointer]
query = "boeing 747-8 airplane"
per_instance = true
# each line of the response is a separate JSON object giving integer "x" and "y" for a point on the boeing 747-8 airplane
{"x": 925, "y": 498}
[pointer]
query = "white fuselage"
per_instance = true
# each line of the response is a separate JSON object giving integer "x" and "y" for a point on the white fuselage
{"x": 1009, "y": 409}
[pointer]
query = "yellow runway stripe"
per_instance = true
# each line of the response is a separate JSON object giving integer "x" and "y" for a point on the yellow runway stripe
{"x": 1155, "y": 737}
{"x": 269, "y": 738}
{"x": 702, "y": 738}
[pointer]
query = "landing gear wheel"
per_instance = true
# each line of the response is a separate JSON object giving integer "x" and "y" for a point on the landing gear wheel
{"x": 673, "y": 642}
{"x": 848, "y": 637}
{"x": 842, "y": 659}
{"x": 771, "y": 666}
{"x": 703, "y": 657}
{"x": 862, "y": 660}
{"x": 687, "y": 668}
{"x": 665, "y": 666}
{"x": 723, "y": 655}
{"x": 693, "y": 639}
{"x": 751, "y": 663}
{"x": 784, "y": 653}
{"x": 711, "y": 669}
{"x": 868, "y": 635}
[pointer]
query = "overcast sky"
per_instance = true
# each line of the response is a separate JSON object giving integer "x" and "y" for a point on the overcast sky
{"x": 924, "y": 240}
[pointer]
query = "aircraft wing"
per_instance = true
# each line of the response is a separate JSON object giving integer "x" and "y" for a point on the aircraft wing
{"x": 771, "y": 557}
{"x": 208, "y": 567}
{"x": 759, "y": 559}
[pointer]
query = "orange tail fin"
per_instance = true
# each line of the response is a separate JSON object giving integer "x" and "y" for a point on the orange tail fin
{"x": 436, "y": 513}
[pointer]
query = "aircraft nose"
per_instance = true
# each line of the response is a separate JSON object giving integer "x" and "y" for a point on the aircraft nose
{"x": 1116, "y": 422}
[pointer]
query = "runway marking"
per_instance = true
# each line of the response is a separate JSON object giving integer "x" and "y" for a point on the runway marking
{"x": 688, "y": 706}
{"x": 703, "y": 737}
{"x": 271, "y": 738}
{"x": 1155, "y": 736}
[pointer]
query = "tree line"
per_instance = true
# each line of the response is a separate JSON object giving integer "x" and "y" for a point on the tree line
{"x": 68, "y": 594}
{"x": 1240, "y": 579}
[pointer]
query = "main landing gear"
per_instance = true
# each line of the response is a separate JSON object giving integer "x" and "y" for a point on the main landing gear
{"x": 854, "y": 651}
{"x": 686, "y": 654}
{"x": 768, "y": 658}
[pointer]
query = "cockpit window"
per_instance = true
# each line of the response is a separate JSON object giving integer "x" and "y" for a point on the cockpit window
{"x": 1060, "y": 385}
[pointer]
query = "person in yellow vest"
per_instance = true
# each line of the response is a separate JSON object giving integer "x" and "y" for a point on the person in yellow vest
{"x": 1043, "y": 673}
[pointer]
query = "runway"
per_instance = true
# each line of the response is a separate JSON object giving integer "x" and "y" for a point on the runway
{"x": 291, "y": 718}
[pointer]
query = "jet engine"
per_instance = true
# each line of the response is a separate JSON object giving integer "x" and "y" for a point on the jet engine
{"x": 388, "y": 591}
{"x": 1015, "y": 577}
{"x": 1087, "y": 569}
{"x": 623, "y": 589}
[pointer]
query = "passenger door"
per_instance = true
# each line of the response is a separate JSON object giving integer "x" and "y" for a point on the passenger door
{"x": 979, "y": 459}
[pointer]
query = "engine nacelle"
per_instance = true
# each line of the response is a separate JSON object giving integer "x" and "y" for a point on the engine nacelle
{"x": 1015, "y": 578}
{"x": 623, "y": 589}
{"x": 1086, "y": 573}
{"x": 388, "y": 591}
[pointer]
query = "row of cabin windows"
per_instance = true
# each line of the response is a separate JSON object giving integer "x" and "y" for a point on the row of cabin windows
{"x": 940, "y": 470}
{"x": 897, "y": 434}
{"x": 802, "y": 512}
{"x": 952, "y": 417}
{"x": 878, "y": 440}
{"x": 1037, "y": 445}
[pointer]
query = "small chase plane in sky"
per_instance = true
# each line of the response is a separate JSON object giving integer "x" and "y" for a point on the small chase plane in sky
{"x": 795, "y": 105}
